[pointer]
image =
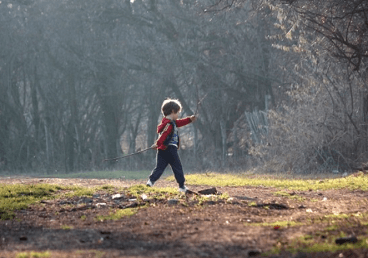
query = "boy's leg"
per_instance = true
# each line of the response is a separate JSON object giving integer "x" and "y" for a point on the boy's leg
{"x": 161, "y": 164}
{"x": 176, "y": 166}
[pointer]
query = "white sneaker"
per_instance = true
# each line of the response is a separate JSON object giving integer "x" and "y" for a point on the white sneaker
{"x": 149, "y": 183}
{"x": 183, "y": 189}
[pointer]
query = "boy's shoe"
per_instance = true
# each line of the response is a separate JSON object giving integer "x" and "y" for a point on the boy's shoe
{"x": 183, "y": 189}
{"x": 149, "y": 183}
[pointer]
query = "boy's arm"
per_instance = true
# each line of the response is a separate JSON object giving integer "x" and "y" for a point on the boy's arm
{"x": 167, "y": 130}
{"x": 185, "y": 121}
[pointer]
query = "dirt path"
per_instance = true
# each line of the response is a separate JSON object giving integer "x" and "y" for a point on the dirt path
{"x": 222, "y": 228}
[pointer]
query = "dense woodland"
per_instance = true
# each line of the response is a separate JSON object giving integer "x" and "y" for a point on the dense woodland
{"x": 280, "y": 85}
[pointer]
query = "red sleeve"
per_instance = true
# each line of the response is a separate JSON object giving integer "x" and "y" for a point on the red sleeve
{"x": 167, "y": 130}
{"x": 182, "y": 122}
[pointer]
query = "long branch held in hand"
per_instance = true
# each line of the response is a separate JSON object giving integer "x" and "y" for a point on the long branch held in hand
{"x": 126, "y": 156}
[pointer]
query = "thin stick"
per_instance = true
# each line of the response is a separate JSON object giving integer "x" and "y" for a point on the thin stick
{"x": 126, "y": 156}
{"x": 199, "y": 102}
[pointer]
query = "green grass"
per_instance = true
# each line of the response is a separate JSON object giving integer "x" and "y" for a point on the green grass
{"x": 105, "y": 174}
{"x": 285, "y": 194}
{"x": 312, "y": 244}
{"x": 118, "y": 214}
{"x": 66, "y": 227}
{"x": 277, "y": 223}
{"x": 20, "y": 196}
{"x": 17, "y": 197}
{"x": 214, "y": 179}
{"x": 33, "y": 254}
{"x": 158, "y": 192}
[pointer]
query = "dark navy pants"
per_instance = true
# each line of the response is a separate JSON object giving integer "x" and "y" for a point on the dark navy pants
{"x": 164, "y": 158}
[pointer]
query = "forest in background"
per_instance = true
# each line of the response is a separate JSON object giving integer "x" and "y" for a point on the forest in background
{"x": 283, "y": 83}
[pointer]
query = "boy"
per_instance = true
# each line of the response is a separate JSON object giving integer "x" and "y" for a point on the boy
{"x": 168, "y": 143}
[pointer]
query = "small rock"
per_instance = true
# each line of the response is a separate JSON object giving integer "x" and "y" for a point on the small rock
{"x": 345, "y": 174}
{"x": 343, "y": 240}
{"x": 95, "y": 196}
{"x": 210, "y": 202}
{"x": 101, "y": 205}
{"x": 23, "y": 238}
{"x": 212, "y": 190}
{"x": 324, "y": 199}
{"x": 131, "y": 205}
{"x": 132, "y": 200}
{"x": 172, "y": 202}
{"x": 117, "y": 196}
{"x": 144, "y": 197}
{"x": 309, "y": 210}
{"x": 85, "y": 200}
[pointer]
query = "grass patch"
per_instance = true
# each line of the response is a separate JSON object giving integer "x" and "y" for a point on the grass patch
{"x": 66, "y": 227}
{"x": 17, "y": 197}
{"x": 277, "y": 223}
{"x": 313, "y": 244}
{"x": 118, "y": 214}
{"x": 33, "y": 254}
{"x": 292, "y": 197}
{"x": 105, "y": 174}
{"x": 159, "y": 193}
{"x": 353, "y": 182}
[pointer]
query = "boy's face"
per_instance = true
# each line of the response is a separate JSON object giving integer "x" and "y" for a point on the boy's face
{"x": 174, "y": 115}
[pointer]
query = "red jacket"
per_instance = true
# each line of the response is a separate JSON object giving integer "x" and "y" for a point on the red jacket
{"x": 165, "y": 129}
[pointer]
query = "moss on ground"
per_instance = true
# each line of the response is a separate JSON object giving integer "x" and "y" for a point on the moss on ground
{"x": 287, "y": 195}
{"x": 313, "y": 244}
{"x": 17, "y": 197}
{"x": 33, "y": 254}
{"x": 118, "y": 214}
{"x": 353, "y": 182}
{"x": 20, "y": 196}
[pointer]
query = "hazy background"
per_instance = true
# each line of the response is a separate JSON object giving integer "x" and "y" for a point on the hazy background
{"x": 283, "y": 84}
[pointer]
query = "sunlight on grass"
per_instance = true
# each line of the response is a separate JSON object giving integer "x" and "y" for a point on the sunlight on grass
{"x": 66, "y": 227}
{"x": 33, "y": 254}
{"x": 277, "y": 223}
{"x": 118, "y": 214}
{"x": 312, "y": 244}
{"x": 105, "y": 174}
{"x": 137, "y": 190}
{"x": 18, "y": 196}
{"x": 213, "y": 179}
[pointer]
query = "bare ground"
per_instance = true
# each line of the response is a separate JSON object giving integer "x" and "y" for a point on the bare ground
{"x": 223, "y": 228}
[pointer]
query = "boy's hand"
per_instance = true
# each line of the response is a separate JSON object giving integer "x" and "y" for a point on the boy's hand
{"x": 154, "y": 146}
{"x": 193, "y": 118}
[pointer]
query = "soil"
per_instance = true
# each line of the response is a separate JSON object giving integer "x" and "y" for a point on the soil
{"x": 222, "y": 228}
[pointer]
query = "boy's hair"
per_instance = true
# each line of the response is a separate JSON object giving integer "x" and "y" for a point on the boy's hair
{"x": 169, "y": 106}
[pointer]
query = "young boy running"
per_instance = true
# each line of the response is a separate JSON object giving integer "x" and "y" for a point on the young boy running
{"x": 168, "y": 143}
